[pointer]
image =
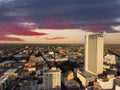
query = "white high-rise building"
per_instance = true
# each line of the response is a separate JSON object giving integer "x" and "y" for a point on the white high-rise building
{"x": 94, "y": 45}
{"x": 52, "y": 79}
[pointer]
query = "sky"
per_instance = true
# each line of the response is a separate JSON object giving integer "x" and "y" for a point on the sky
{"x": 58, "y": 21}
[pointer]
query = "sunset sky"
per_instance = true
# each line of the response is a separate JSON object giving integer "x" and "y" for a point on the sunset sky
{"x": 58, "y": 21}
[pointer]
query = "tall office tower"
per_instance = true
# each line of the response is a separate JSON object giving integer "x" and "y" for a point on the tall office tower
{"x": 94, "y": 45}
{"x": 52, "y": 79}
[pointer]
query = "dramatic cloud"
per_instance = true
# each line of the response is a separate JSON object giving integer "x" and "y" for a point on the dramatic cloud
{"x": 5, "y": 1}
{"x": 27, "y": 33}
{"x": 117, "y": 28}
{"x": 118, "y": 20}
{"x": 27, "y": 24}
{"x": 99, "y": 26}
{"x": 23, "y": 29}
{"x": 56, "y": 25}
{"x": 5, "y": 38}
{"x": 21, "y": 17}
{"x": 55, "y": 38}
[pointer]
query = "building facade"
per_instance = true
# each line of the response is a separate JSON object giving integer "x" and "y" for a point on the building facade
{"x": 107, "y": 83}
{"x": 94, "y": 45}
{"x": 4, "y": 82}
{"x": 52, "y": 79}
{"x": 110, "y": 59}
{"x": 86, "y": 78}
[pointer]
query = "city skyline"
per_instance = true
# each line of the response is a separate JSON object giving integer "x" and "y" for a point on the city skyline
{"x": 58, "y": 22}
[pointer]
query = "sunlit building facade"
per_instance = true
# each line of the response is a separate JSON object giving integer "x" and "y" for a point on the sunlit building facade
{"x": 94, "y": 45}
{"x": 52, "y": 79}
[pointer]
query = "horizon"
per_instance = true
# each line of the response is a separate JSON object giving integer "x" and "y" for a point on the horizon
{"x": 51, "y": 44}
{"x": 75, "y": 37}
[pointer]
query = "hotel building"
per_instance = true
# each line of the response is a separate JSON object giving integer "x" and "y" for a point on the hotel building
{"x": 94, "y": 46}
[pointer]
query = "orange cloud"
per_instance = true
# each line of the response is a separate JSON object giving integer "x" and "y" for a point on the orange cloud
{"x": 55, "y": 38}
{"x": 4, "y": 38}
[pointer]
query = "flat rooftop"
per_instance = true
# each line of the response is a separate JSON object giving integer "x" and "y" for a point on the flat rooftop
{"x": 52, "y": 70}
{"x": 86, "y": 74}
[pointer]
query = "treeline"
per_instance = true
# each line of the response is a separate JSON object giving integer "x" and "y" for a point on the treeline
{"x": 64, "y": 65}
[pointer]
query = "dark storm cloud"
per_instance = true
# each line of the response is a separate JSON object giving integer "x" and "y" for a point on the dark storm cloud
{"x": 92, "y": 15}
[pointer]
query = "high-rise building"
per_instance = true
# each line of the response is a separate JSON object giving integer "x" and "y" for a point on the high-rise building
{"x": 94, "y": 44}
{"x": 52, "y": 79}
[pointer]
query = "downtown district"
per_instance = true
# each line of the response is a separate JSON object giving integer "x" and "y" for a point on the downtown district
{"x": 60, "y": 67}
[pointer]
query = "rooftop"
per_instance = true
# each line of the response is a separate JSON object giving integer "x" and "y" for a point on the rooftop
{"x": 118, "y": 81}
{"x": 53, "y": 69}
{"x": 30, "y": 63}
{"x": 3, "y": 78}
{"x": 7, "y": 62}
{"x": 86, "y": 74}
{"x": 72, "y": 83}
{"x": 11, "y": 71}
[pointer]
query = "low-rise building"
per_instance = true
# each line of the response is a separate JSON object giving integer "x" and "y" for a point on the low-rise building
{"x": 107, "y": 82}
{"x": 4, "y": 82}
{"x": 31, "y": 69}
{"x": 58, "y": 59}
{"x": 26, "y": 85}
{"x": 106, "y": 66}
{"x": 86, "y": 78}
{"x": 32, "y": 57}
{"x": 69, "y": 76}
{"x": 110, "y": 59}
{"x": 30, "y": 64}
{"x": 11, "y": 72}
{"x": 96, "y": 86}
{"x": 117, "y": 83}
{"x": 8, "y": 63}
{"x": 71, "y": 84}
